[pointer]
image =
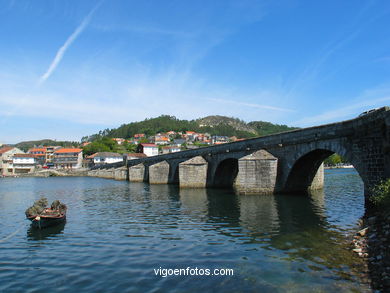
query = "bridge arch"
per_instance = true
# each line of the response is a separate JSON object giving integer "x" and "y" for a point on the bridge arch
{"x": 225, "y": 173}
{"x": 305, "y": 173}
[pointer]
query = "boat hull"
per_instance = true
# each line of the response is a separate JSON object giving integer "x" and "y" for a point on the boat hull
{"x": 45, "y": 222}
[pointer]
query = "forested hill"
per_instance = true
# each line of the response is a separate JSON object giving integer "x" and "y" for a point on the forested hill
{"x": 214, "y": 125}
{"x": 25, "y": 145}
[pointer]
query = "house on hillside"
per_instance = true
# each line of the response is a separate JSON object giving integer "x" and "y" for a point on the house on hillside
{"x": 23, "y": 163}
{"x": 149, "y": 149}
{"x": 6, "y": 159}
{"x": 134, "y": 156}
{"x": 161, "y": 139}
{"x": 119, "y": 140}
{"x": 218, "y": 139}
{"x": 178, "y": 141}
{"x": 68, "y": 158}
{"x": 170, "y": 149}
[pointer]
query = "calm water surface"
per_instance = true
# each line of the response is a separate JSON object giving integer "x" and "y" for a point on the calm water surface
{"x": 117, "y": 233}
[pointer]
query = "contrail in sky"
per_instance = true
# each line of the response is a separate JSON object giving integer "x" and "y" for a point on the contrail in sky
{"x": 60, "y": 53}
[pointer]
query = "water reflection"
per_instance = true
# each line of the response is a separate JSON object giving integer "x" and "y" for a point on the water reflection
{"x": 259, "y": 214}
{"x": 47, "y": 233}
{"x": 274, "y": 243}
{"x": 194, "y": 202}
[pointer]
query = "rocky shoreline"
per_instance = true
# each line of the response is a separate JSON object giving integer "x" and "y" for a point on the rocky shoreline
{"x": 55, "y": 173}
{"x": 372, "y": 243}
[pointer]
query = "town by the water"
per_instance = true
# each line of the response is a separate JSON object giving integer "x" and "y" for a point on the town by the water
{"x": 16, "y": 162}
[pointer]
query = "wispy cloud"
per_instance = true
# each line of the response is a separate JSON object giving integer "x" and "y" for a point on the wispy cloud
{"x": 61, "y": 52}
{"x": 265, "y": 107}
{"x": 343, "y": 113}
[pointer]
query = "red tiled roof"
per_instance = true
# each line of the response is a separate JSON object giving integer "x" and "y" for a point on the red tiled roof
{"x": 37, "y": 150}
{"x": 91, "y": 156}
{"x": 162, "y": 138}
{"x": 5, "y": 149}
{"x": 24, "y": 155}
{"x": 65, "y": 150}
{"x": 137, "y": 155}
{"x": 148, "y": 145}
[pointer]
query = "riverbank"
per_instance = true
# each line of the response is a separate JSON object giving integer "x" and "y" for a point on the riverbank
{"x": 340, "y": 167}
{"x": 55, "y": 173}
{"x": 372, "y": 243}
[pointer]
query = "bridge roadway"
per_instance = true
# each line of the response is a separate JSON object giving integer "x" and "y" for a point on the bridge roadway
{"x": 285, "y": 162}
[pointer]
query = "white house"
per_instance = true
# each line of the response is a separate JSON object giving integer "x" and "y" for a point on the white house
{"x": 171, "y": 149}
{"x": 149, "y": 149}
{"x": 23, "y": 163}
{"x": 6, "y": 161}
{"x": 106, "y": 158}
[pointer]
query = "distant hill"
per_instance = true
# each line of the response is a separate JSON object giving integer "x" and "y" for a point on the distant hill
{"x": 26, "y": 145}
{"x": 237, "y": 124}
{"x": 214, "y": 125}
{"x": 266, "y": 128}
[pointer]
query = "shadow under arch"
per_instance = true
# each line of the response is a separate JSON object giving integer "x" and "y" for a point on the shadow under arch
{"x": 301, "y": 175}
{"x": 226, "y": 173}
{"x": 173, "y": 176}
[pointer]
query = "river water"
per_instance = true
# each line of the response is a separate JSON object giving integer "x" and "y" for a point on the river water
{"x": 118, "y": 234}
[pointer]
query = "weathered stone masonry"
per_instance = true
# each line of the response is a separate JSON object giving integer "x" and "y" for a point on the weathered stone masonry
{"x": 285, "y": 162}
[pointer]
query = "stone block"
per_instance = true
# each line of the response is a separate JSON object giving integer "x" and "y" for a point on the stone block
{"x": 159, "y": 173}
{"x": 137, "y": 173}
{"x": 193, "y": 173}
{"x": 256, "y": 173}
{"x": 120, "y": 173}
{"x": 318, "y": 180}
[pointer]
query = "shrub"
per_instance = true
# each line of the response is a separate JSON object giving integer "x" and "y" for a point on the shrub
{"x": 381, "y": 195}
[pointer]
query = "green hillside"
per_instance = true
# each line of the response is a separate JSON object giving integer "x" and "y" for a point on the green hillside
{"x": 214, "y": 125}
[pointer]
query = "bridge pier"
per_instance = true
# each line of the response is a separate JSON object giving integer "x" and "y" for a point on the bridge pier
{"x": 159, "y": 173}
{"x": 137, "y": 173}
{"x": 193, "y": 173}
{"x": 120, "y": 173}
{"x": 256, "y": 173}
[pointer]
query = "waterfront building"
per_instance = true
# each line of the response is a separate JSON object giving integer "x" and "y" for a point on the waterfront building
{"x": 101, "y": 158}
{"x": 6, "y": 161}
{"x": 68, "y": 158}
{"x": 40, "y": 154}
{"x": 49, "y": 155}
{"x": 23, "y": 163}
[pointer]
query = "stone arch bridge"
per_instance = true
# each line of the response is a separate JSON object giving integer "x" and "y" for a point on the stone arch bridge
{"x": 289, "y": 162}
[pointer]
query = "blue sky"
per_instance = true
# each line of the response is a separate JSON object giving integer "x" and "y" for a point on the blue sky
{"x": 72, "y": 68}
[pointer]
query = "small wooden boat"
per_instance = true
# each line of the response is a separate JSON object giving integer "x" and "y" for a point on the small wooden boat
{"x": 41, "y": 216}
{"x": 48, "y": 218}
